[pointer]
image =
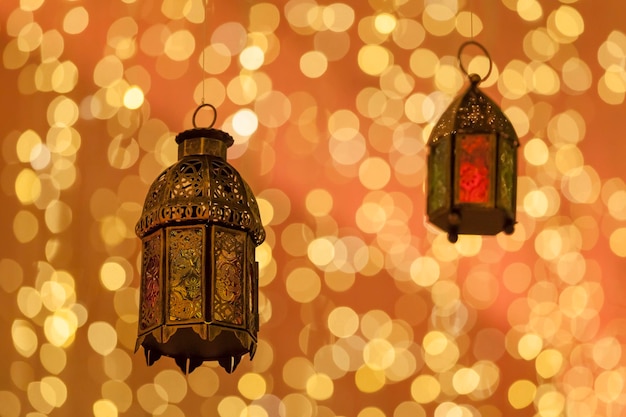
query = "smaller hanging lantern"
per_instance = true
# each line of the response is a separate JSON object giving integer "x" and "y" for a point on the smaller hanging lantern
{"x": 199, "y": 278}
{"x": 472, "y": 165}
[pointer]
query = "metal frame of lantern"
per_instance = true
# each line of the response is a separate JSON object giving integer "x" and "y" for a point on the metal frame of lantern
{"x": 472, "y": 164}
{"x": 199, "y": 278}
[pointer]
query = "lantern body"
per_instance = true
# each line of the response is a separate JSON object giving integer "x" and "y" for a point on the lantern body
{"x": 472, "y": 168}
{"x": 199, "y": 281}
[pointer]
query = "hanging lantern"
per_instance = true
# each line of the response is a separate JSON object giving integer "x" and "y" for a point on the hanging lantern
{"x": 472, "y": 165}
{"x": 199, "y": 279}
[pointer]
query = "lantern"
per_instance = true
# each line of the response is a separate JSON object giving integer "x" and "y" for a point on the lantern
{"x": 199, "y": 279}
{"x": 472, "y": 165}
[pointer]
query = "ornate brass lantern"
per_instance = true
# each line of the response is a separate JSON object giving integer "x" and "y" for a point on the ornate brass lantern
{"x": 472, "y": 165}
{"x": 199, "y": 278}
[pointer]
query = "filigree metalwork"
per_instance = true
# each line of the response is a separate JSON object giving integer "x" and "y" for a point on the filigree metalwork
{"x": 201, "y": 188}
{"x": 156, "y": 190}
{"x": 185, "y": 276}
{"x": 252, "y": 278}
{"x": 228, "y": 301}
{"x": 472, "y": 110}
{"x": 225, "y": 185}
{"x": 187, "y": 181}
{"x": 151, "y": 306}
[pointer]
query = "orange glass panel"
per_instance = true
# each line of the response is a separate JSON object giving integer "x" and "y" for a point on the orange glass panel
{"x": 474, "y": 162}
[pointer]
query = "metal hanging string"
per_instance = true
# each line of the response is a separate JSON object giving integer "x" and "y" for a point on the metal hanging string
{"x": 202, "y": 78}
{"x": 477, "y": 78}
{"x": 206, "y": 3}
{"x": 471, "y": 20}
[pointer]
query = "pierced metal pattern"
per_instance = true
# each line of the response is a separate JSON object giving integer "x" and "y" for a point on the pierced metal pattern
{"x": 226, "y": 186}
{"x": 156, "y": 190}
{"x": 474, "y": 111}
{"x": 185, "y": 273}
{"x": 253, "y": 283}
{"x": 201, "y": 188}
{"x": 151, "y": 311}
{"x": 187, "y": 180}
{"x": 228, "y": 301}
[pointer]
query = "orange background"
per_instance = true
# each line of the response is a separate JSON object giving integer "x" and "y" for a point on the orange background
{"x": 366, "y": 309}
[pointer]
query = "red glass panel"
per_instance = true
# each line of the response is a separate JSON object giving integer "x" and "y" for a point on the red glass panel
{"x": 474, "y": 153}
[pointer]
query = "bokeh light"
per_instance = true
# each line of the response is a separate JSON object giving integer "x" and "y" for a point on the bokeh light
{"x": 365, "y": 309}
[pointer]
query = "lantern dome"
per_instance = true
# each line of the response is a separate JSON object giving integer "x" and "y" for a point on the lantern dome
{"x": 473, "y": 111}
{"x": 201, "y": 187}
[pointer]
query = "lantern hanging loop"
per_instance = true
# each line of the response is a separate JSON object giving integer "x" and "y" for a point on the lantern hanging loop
{"x": 482, "y": 48}
{"x": 195, "y": 113}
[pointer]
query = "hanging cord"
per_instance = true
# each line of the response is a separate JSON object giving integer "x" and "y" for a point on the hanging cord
{"x": 202, "y": 78}
{"x": 204, "y": 25}
{"x": 474, "y": 77}
{"x": 471, "y": 10}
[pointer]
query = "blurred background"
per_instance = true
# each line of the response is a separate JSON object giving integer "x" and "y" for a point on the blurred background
{"x": 366, "y": 309}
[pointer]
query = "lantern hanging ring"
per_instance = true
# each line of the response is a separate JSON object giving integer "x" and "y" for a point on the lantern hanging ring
{"x": 195, "y": 113}
{"x": 472, "y": 42}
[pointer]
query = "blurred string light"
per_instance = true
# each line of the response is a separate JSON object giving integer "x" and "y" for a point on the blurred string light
{"x": 556, "y": 278}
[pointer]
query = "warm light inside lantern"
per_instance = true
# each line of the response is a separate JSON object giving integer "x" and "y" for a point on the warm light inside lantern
{"x": 474, "y": 159}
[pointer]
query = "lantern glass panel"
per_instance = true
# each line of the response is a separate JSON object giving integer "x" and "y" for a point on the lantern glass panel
{"x": 186, "y": 275}
{"x": 439, "y": 175}
{"x": 507, "y": 175}
{"x": 229, "y": 306}
{"x": 474, "y": 156}
{"x": 151, "y": 314}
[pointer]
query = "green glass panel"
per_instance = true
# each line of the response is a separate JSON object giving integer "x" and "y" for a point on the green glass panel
{"x": 186, "y": 275}
{"x": 506, "y": 169}
{"x": 438, "y": 175}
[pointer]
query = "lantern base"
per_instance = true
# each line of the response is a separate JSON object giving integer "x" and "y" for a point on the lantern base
{"x": 189, "y": 349}
{"x": 472, "y": 220}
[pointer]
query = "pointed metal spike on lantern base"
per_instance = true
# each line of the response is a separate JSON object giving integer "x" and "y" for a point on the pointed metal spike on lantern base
{"x": 230, "y": 363}
{"x": 188, "y": 365}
